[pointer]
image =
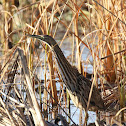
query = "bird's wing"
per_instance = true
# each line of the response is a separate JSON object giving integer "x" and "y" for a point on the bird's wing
{"x": 84, "y": 87}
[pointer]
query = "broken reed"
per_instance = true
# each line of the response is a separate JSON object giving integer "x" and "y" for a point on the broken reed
{"x": 95, "y": 29}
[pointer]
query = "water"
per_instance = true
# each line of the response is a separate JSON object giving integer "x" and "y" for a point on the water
{"x": 76, "y": 112}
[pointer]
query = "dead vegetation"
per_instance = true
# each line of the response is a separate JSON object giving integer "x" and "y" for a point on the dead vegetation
{"x": 31, "y": 89}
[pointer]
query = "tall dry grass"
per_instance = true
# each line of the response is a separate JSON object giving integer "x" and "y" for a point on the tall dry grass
{"x": 31, "y": 88}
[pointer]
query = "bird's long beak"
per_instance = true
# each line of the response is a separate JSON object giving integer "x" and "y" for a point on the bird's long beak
{"x": 40, "y": 37}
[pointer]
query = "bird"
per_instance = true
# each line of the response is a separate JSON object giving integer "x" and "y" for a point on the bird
{"x": 77, "y": 85}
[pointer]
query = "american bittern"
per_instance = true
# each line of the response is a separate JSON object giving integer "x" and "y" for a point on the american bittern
{"x": 77, "y": 85}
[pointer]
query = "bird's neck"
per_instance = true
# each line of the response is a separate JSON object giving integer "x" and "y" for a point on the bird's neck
{"x": 61, "y": 59}
{"x": 64, "y": 65}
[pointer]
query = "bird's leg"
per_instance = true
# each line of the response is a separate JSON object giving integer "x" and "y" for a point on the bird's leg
{"x": 97, "y": 117}
{"x": 86, "y": 118}
{"x": 80, "y": 118}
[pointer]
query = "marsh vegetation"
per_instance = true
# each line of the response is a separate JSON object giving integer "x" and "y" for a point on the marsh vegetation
{"x": 31, "y": 88}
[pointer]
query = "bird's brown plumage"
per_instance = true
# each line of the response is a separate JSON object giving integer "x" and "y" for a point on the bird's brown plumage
{"x": 78, "y": 86}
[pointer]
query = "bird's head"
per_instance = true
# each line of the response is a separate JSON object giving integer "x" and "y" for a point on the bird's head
{"x": 45, "y": 38}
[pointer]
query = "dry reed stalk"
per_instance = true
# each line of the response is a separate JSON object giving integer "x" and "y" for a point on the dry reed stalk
{"x": 51, "y": 68}
{"x": 33, "y": 101}
{"x": 42, "y": 16}
{"x": 78, "y": 53}
{"x": 77, "y": 41}
{"x": 53, "y": 86}
{"x": 45, "y": 97}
